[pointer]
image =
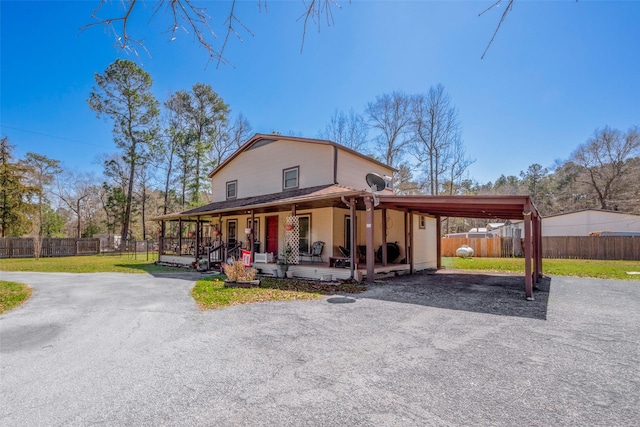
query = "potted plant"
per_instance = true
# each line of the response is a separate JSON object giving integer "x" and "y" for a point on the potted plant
{"x": 283, "y": 262}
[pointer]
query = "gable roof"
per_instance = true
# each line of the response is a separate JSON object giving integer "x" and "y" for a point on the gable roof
{"x": 262, "y": 138}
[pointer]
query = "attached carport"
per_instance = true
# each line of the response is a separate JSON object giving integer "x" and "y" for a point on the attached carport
{"x": 487, "y": 207}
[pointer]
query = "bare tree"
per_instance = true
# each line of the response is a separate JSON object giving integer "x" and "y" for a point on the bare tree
{"x": 435, "y": 137}
{"x": 240, "y": 131}
{"x": 458, "y": 165}
{"x": 390, "y": 116}
{"x": 604, "y": 159}
{"x": 74, "y": 190}
{"x": 350, "y": 130}
{"x": 187, "y": 18}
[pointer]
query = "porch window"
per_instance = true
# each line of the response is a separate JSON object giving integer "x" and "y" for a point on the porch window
{"x": 232, "y": 189}
{"x": 304, "y": 222}
{"x": 290, "y": 178}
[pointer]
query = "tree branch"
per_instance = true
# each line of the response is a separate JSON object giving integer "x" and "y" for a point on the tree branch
{"x": 502, "y": 18}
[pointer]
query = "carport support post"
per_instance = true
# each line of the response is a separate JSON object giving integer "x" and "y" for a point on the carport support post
{"x": 410, "y": 253}
{"x": 352, "y": 234}
{"x": 439, "y": 242}
{"x": 384, "y": 237}
{"x": 536, "y": 250}
{"x": 528, "y": 279}
{"x": 369, "y": 238}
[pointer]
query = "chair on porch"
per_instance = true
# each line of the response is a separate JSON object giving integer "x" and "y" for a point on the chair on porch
{"x": 316, "y": 251}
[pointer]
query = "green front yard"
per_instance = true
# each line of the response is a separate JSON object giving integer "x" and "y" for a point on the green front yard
{"x": 559, "y": 267}
{"x": 12, "y": 294}
{"x": 86, "y": 264}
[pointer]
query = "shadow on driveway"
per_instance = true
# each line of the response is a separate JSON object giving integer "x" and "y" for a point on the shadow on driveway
{"x": 498, "y": 294}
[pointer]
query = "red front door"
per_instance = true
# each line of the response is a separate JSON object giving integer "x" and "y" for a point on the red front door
{"x": 272, "y": 234}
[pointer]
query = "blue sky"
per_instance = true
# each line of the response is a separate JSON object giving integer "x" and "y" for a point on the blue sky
{"x": 557, "y": 71}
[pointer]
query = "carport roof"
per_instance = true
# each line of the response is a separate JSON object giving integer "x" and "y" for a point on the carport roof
{"x": 503, "y": 207}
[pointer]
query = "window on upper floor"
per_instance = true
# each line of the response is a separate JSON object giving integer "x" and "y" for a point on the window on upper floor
{"x": 232, "y": 189}
{"x": 290, "y": 178}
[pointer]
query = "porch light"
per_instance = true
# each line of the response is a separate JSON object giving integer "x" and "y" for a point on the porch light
{"x": 247, "y": 231}
{"x": 288, "y": 227}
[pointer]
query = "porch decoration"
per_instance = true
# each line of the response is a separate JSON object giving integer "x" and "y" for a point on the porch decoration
{"x": 239, "y": 276}
{"x": 283, "y": 262}
{"x": 292, "y": 239}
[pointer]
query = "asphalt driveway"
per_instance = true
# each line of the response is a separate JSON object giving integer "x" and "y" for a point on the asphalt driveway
{"x": 117, "y": 349}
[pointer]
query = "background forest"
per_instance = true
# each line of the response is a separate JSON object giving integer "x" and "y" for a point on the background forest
{"x": 167, "y": 148}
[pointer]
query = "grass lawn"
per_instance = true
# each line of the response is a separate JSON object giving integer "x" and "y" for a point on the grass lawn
{"x": 559, "y": 267}
{"x": 86, "y": 264}
{"x": 210, "y": 292}
{"x": 12, "y": 294}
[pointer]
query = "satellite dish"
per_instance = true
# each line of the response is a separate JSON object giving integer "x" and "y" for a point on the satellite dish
{"x": 376, "y": 183}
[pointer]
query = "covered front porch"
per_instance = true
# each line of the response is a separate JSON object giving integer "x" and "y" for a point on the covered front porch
{"x": 323, "y": 271}
{"x": 283, "y": 225}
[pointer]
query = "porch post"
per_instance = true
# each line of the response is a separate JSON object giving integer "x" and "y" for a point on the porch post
{"x": 528, "y": 280}
{"x": 252, "y": 236}
{"x": 369, "y": 237}
{"x": 535, "y": 250}
{"x": 439, "y": 242}
{"x": 406, "y": 236}
{"x": 352, "y": 234}
{"x": 179, "y": 237}
{"x": 384, "y": 237}
{"x": 222, "y": 252}
{"x": 410, "y": 252}
{"x": 196, "y": 249}
{"x": 161, "y": 239}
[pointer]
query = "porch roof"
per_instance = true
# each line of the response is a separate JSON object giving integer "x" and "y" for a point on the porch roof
{"x": 302, "y": 198}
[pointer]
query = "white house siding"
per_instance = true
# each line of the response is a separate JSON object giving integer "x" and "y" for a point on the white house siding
{"x": 321, "y": 227}
{"x": 582, "y": 223}
{"x": 259, "y": 170}
{"x": 425, "y": 254}
{"x": 352, "y": 170}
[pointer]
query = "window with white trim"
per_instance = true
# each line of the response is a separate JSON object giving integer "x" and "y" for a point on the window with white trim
{"x": 232, "y": 189}
{"x": 290, "y": 178}
{"x": 304, "y": 222}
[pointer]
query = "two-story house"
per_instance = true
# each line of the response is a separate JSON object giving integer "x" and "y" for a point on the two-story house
{"x": 282, "y": 196}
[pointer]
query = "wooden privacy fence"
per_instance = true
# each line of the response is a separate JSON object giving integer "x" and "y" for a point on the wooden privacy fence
{"x": 14, "y": 247}
{"x": 577, "y": 247}
{"x": 495, "y": 247}
{"x": 592, "y": 247}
